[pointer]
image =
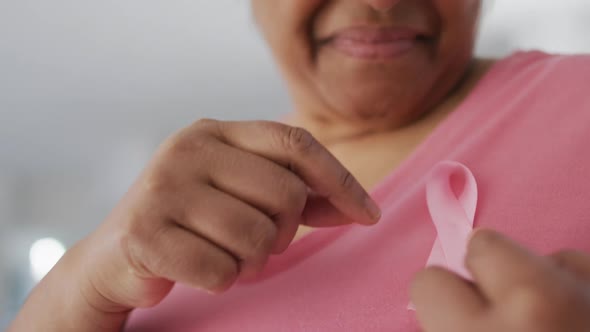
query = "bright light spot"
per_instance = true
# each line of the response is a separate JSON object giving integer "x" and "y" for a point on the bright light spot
{"x": 43, "y": 255}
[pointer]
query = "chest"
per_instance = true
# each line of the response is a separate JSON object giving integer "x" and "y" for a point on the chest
{"x": 532, "y": 187}
{"x": 370, "y": 161}
{"x": 357, "y": 278}
{"x": 374, "y": 157}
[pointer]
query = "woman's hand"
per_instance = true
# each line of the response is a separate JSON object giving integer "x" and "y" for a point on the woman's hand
{"x": 513, "y": 291}
{"x": 214, "y": 203}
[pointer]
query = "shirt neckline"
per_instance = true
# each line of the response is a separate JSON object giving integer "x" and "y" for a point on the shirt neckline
{"x": 314, "y": 241}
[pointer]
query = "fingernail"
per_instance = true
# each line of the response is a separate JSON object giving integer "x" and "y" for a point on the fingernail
{"x": 373, "y": 209}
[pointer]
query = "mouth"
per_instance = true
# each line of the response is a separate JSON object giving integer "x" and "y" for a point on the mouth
{"x": 376, "y": 43}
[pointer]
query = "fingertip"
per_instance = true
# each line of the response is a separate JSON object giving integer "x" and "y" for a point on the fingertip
{"x": 373, "y": 211}
{"x": 482, "y": 237}
{"x": 287, "y": 231}
{"x": 415, "y": 284}
{"x": 486, "y": 239}
{"x": 218, "y": 290}
{"x": 422, "y": 278}
{"x": 479, "y": 242}
{"x": 366, "y": 222}
{"x": 280, "y": 247}
{"x": 423, "y": 287}
{"x": 442, "y": 299}
{"x": 474, "y": 233}
{"x": 222, "y": 288}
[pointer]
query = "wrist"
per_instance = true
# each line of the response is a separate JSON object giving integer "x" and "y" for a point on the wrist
{"x": 66, "y": 300}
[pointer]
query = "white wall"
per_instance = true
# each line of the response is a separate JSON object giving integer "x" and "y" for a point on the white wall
{"x": 556, "y": 26}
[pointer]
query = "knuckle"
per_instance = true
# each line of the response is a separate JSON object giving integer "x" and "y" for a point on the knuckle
{"x": 261, "y": 239}
{"x": 158, "y": 182}
{"x": 219, "y": 274}
{"x": 206, "y": 128}
{"x": 191, "y": 138}
{"x": 347, "y": 180}
{"x": 140, "y": 231}
{"x": 133, "y": 243}
{"x": 298, "y": 197}
{"x": 205, "y": 123}
{"x": 134, "y": 230}
{"x": 194, "y": 138}
{"x": 295, "y": 194}
{"x": 185, "y": 143}
{"x": 298, "y": 140}
{"x": 155, "y": 261}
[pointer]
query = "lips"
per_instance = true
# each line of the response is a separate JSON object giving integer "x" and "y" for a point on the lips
{"x": 375, "y": 43}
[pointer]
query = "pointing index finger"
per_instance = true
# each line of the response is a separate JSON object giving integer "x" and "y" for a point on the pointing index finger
{"x": 297, "y": 150}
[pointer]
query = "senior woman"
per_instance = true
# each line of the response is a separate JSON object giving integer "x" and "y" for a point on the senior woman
{"x": 391, "y": 100}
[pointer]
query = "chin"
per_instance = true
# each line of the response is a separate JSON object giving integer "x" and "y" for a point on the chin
{"x": 387, "y": 101}
{"x": 369, "y": 90}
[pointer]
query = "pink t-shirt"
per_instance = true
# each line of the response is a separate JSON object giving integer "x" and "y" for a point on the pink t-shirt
{"x": 524, "y": 133}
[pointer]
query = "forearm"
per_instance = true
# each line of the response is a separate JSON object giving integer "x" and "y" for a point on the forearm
{"x": 60, "y": 303}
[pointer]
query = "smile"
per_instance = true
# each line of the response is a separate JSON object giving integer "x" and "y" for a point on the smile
{"x": 375, "y": 43}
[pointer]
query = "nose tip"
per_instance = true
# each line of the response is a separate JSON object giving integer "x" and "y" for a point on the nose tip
{"x": 381, "y": 5}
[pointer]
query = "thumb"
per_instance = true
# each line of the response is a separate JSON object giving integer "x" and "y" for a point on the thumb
{"x": 319, "y": 212}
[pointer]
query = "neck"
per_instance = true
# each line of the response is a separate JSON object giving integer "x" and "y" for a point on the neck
{"x": 334, "y": 130}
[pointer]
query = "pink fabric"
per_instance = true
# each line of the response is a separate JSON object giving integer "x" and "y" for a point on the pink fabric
{"x": 523, "y": 133}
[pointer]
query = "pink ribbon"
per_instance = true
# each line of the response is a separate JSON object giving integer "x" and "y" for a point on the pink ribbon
{"x": 452, "y": 210}
{"x": 451, "y": 196}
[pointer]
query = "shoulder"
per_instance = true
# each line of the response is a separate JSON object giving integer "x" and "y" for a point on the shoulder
{"x": 541, "y": 69}
{"x": 538, "y": 77}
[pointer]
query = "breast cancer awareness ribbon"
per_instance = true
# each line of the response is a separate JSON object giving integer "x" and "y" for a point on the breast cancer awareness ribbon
{"x": 453, "y": 214}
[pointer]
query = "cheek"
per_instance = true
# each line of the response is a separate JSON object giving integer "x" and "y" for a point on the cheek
{"x": 284, "y": 16}
{"x": 459, "y": 25}
{"x": 459, "y": 17}
{"x": 285, "y": 24}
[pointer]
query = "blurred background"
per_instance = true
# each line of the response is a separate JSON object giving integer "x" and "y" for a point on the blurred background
{"x": 89, "y": 89}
